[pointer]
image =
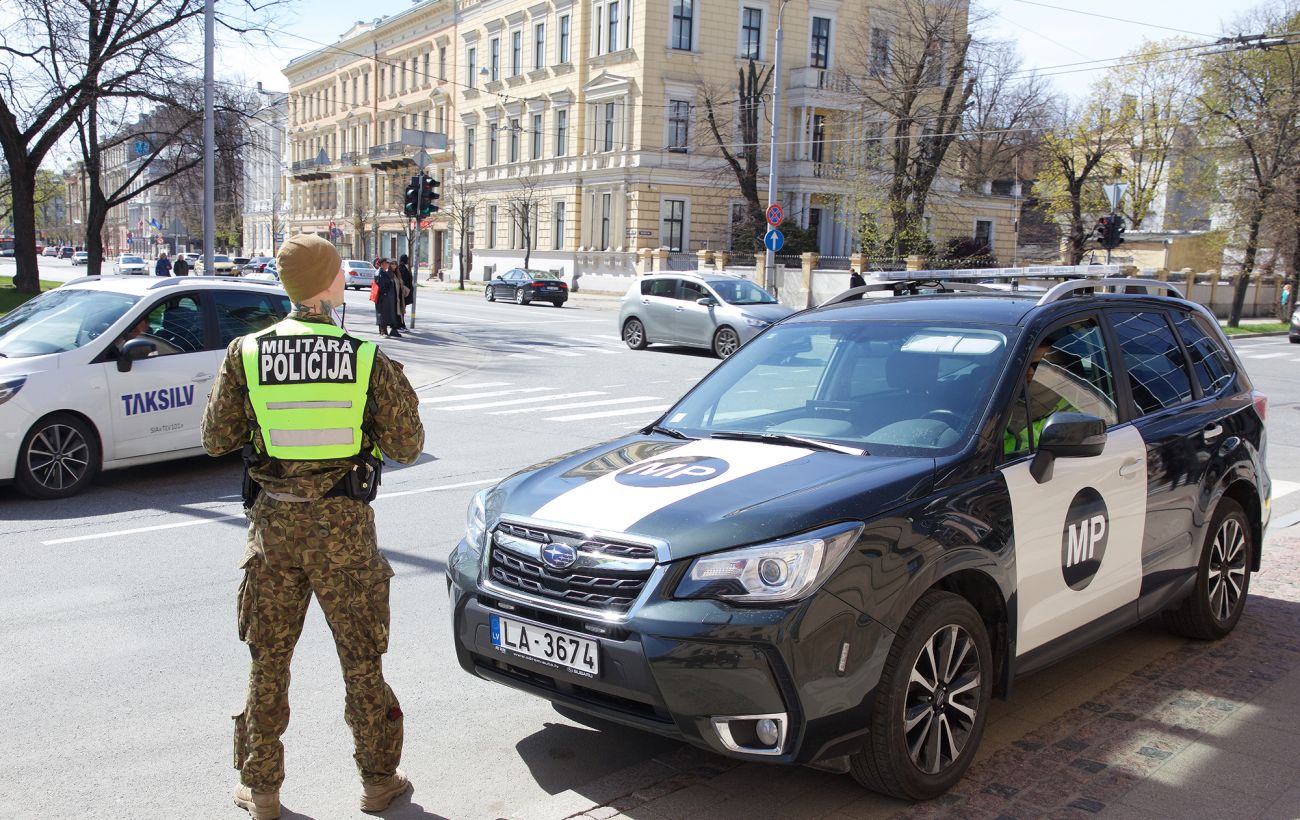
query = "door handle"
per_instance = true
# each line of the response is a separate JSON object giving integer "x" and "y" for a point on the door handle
{"x": 202, "y": 377}
{"x": 1212, "y": 432}
{"x": 1130, "y": 467}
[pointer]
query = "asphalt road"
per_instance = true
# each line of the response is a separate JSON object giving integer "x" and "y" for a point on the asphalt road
{"x": 120, "y": 666}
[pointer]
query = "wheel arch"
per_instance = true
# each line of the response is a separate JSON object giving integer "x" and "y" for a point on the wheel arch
{"x": 1245, "y": 494}
{"x": 982, "y": 591}
{"x": 80, "y": 416}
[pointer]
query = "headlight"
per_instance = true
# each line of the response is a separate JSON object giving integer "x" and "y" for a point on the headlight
{"x": 756, "y": 322}
{"x": 784, "y": 570}
{"x": 9, "y": 387}
{"x": 476, "y": 521}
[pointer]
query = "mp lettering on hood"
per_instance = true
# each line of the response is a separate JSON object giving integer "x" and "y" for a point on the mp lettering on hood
{"x": 306, "y": 359}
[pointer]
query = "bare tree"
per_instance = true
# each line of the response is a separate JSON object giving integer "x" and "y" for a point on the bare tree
{"x": 1251, "y": 102}
{"x": 458, "y": 206}
{"x": 524, "y": 206}
{"x": 1003, "y": 122}
{"x": 742, "y": 159}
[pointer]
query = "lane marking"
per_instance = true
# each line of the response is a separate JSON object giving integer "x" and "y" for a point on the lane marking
{"x": 196, "y": 522}
{"x": 578, "y": 404}
{"x": 1265, "y": 355}
{"x": 532, "y": 400}
{"x": 491, "y": 394}
{"x": 478, "y": 385}
{"x": 650, "y": 411}
{"x": 522, "y": 356}
{"x": 1284, "y": 488}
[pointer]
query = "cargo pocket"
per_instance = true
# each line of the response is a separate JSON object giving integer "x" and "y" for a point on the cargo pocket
{"x": 241, "y": 740}
{"x": 369, "y": 604}
{"x": 246, "y": 599}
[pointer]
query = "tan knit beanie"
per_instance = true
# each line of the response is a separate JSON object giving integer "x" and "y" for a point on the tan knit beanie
{"x": 308, "y": 265}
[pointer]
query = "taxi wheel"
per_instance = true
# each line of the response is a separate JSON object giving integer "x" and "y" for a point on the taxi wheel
{"x": 725, "y": 342}
{"x": 1222, "y": 578}
{"x": 59, "y": 457}
{"x": 634, "y": 334}
{"x": 931, "y": 703}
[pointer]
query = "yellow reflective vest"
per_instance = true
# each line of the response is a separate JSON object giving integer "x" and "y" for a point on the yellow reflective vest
{"x": 308, "y": 383}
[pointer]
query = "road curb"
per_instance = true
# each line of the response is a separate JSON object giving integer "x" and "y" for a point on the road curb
{"x": 1257, "y": 335}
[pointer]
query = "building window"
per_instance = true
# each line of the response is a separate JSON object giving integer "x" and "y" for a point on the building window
{"x": 514, "y": 140}
{"x": 821, "y": 42}
{"x": 819, "y": 138}
{"x": 442, "y": 62}
{"x": 609, "y": 126}
{"x": 679, "y": 114}
{"x": 492, "y": 144}
{"x": 674, "y": 230}
{"x": 469, "y": 147}
{"x": 471, "y": 59}
{"x": 879, "y": 59}
{"x": 492, "y": 226}
{"x": 564, "y": 39}
{"x": 984, "y": 233}
{"x": 683, "y": 25}
{"x": 561, "y": 132}
{"x": 494, "y": 67}
{"x": 539, "y": 46}
{"x": 516, "y": 53}
{"x": 606, "y": 201}
{"x": 537, "y": 136}
{"x": 751, "y": 33}
{"x": 557, "y": 228}
{"x": 611, "y": 42}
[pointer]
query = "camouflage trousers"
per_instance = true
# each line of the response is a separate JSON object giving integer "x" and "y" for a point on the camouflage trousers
{"x": 328, "y": 548}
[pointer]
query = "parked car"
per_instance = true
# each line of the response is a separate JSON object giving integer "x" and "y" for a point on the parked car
{"x": 66, "y": 252}
{"x": 240, "y": 261}
{"x": 268, "y": 273}
{"x": 1293, "y": 335}
{"x": 257, "y": 264}
{"x": 113, "y": 372}
{"x": 221, "y": 266}
{"x": 856, "y": 531}
{"x": 525, "y": 286}
{"x": 80, "y": 257}
{"x": 358, "y": 273}
{"x": 718, "y": 312}
{"x": 50, "y": 250}
{"x": 128, "y": 264}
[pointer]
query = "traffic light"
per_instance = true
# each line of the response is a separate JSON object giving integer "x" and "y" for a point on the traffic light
{"x": 1115, "y": 238}
{"x": 429, "y": 196}
{"x": 1101, "y": 230}
{"x": 409, "y": 205}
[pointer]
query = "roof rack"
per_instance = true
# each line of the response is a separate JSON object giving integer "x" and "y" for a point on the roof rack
{"x": 908, "y": 287}
{"x": 1077, "y": 287}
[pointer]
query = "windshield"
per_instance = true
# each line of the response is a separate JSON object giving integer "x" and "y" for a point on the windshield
{"x": 59, "y": 320}
{"x": 135, "y": 259}
{"x": 742, "y": 292}
{"x": 360, "y": 266}
{"x": 892, "y": 388}
{"x": 220, "y": 258}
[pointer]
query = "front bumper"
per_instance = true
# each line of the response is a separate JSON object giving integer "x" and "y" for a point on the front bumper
{"x": 675, "y": 666}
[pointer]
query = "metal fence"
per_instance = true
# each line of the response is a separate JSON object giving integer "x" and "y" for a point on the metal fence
{"x": 682, "y": 261}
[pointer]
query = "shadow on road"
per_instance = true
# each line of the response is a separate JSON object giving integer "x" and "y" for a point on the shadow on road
{"x": 562, "y": 758}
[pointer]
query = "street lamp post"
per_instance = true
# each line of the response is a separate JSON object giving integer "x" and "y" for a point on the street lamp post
{"x": 209, "y": 136}
{"x": 770, "y": 256}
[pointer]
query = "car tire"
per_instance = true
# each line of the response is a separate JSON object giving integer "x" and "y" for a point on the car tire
{"x": 725, "y": 342}
{"x": 489, "y": 293}
{"x": 1295, "y": 340}
{"x": 634, "y": 334}
{"x": 908, "y": 762}
{"x": 521, "y": 298}
{"x": 1222, "y": 578}
{"x": 59, "y": 456}
{"x": 558, "y": 304}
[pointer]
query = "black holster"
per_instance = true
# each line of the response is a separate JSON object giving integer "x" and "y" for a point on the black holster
{"x": 249, "y": 490}
{"x": 363, "y": 478}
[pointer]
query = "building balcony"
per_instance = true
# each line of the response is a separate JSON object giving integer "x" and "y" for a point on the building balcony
{"x": 821, "y": 87}
{"x": 396, "y": 155}
{"x": 307, "y": 170}
{"x": 353, "y": 161}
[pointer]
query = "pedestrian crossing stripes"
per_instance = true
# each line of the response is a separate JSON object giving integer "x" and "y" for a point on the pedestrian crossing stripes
{"x": 573, "y": 347}
{"x": 548, "y": 403}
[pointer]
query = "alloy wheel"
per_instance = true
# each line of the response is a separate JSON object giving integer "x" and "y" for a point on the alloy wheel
{"x": 58, "y": 457}
{"x": 634, "y": 334}
{"x": 725, "y": 342}
{"x": 942, "y": 700}
{"x": 1227, "y": 571}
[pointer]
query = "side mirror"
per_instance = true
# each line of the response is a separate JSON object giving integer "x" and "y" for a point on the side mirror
{"x": 707, "y": 301}
{"x": 132, "y": 350}
{"x": 1067, "y": 435}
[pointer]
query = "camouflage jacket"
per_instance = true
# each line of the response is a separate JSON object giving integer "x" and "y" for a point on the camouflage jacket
{"x": 392, "y": 421}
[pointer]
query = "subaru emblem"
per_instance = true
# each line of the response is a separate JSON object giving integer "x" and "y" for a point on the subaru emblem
{"x": 559, "y": 556}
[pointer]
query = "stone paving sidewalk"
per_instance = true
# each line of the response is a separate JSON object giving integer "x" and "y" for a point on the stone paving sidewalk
{"x": 1142, "y": 725}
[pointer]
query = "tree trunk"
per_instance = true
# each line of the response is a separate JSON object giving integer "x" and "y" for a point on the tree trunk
{"x": 1247, "y": 263}
{"x": 1076, "y": 238}
{"x": 1294, "y": 278}
{"x": 526, "y": 230}
{"x": 22, "y": 180}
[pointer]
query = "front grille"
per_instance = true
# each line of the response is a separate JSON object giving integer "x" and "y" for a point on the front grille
{"x": 594, "y": 587}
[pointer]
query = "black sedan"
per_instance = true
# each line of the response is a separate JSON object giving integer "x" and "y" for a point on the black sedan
{"x": 526, "y": 286}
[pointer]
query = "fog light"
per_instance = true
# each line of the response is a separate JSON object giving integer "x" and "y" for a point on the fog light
{"x": 767, "y": 731}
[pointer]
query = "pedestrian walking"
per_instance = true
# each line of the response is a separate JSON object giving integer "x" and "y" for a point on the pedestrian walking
{"x": 1284, "y": 302}
{"x": 181, "y": 268}
{"x": 408, "y": 288}
{"x": 163, "y": 267}
{"x": 315, "y": 411}
{"x": 387, "y": 295}
{"x": 856, "y": 280}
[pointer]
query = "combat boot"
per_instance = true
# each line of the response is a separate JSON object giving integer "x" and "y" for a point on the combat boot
{"x": 378, "y": 796}
{"x": 260, "y": 805}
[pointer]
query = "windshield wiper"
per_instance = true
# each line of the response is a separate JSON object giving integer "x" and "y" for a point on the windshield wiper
{"x": 797, "y": 441}
{"x": 668, "y": 431}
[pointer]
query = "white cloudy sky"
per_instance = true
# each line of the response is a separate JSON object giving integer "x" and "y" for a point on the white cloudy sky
{"x": 1047, "y": 34}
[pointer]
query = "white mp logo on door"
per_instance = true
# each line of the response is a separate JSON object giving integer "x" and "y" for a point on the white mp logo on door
{"x": 1083, "y": 538}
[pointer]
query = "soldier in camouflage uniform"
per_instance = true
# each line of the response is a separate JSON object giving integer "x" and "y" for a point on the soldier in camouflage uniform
{"x": 302, "y": 542}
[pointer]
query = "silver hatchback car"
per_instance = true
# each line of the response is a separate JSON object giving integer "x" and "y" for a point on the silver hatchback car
{"x": 718, "y": 312}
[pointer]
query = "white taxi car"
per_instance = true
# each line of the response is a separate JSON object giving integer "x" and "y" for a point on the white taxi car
{"x": 99, "y": 374}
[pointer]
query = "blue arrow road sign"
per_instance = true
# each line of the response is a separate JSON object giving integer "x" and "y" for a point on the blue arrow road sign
{"x": 773, "y": 240}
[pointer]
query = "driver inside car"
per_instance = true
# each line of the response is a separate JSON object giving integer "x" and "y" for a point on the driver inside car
{"x": 1043, "y": 401}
